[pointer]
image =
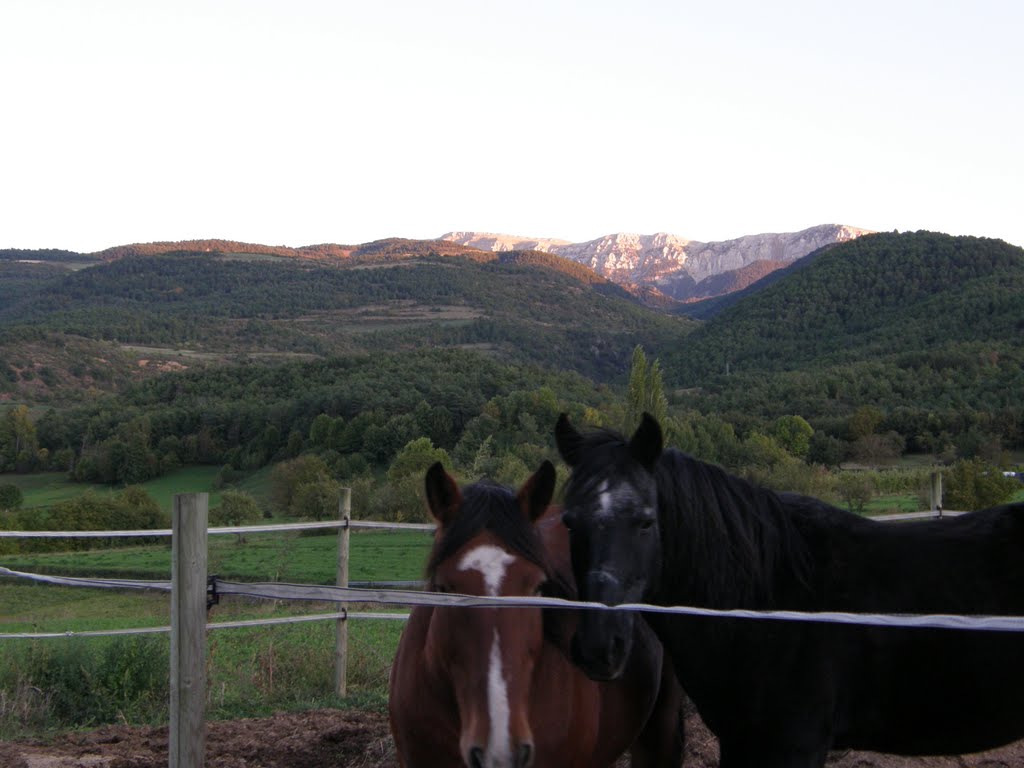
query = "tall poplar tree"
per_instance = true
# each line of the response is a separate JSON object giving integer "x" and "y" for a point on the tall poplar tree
{"x": 646, "y": 391}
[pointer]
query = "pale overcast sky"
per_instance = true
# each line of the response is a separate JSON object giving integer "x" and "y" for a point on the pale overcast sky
{"x": 304, "y": 121}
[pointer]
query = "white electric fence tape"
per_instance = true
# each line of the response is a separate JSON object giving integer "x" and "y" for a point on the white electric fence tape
{"x": 281, "y": 591}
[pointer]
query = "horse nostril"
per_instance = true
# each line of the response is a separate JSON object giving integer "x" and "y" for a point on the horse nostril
{"x": 476, "y": 758}
{"x": 525, "y": 757}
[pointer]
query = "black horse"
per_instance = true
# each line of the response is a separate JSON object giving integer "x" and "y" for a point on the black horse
{"x": 662, "y": 527}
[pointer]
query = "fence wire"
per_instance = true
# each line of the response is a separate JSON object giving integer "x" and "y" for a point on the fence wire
{"x": 323, "y": 593}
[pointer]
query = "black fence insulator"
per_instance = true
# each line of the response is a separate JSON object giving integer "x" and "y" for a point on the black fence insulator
{"x": 212, "y": 598}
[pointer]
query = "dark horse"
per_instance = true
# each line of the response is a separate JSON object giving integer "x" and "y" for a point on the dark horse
{"x": 494, "y": 687}
{"x": 655, "y": 526}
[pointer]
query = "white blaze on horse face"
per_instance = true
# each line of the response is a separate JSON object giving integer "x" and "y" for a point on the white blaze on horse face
{"x": 605, "y": 499}
{"x": 491, "y": 561}
{"x": 500, "y": 746}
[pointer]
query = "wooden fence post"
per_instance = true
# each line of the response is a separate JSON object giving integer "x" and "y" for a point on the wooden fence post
{"x": 187, "y": 737}
{"x": 936, "y": 493}
{"x": 341, "y": 625}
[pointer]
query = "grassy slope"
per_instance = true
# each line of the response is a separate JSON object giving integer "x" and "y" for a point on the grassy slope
{"x": 48, "y": 488}
{"x": 375, "y": 556}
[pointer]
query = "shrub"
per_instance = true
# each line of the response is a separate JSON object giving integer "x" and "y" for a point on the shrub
{"x": 11, "y": 497}
{"x": 90, "y": 683}
{"x": 235, "y": 508}
{"x": 287, "y": 476}
{"x": 973, "y": 484}
{"x": 856, "y": 489}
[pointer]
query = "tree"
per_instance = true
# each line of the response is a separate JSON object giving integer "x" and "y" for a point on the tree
{"x": 856, "y": 489}
{"x": 972, "y": 484}
{"x": 415, "y": 458}
{"x": 235, "y": 508}
{"x": 877, "y": 449}
{"x": 794, "y": 434}
{"x": 646, "y": 392}
{"x": 511, "y": 471}
{"x": 286, "y": 477}
{"x": 405, "y": 478}
{"x": 864, "y": 421}
{"x": 19, "y": 444}
{"x": 317, "y": 499}
{"x": 484, "y": 462}
{"x": 320, "y": 431}
{"x": 135, "y": 508}
{"x": 825, "y": 449}
{"x": 11, "y": 497}
{"x": 763, "y": 452}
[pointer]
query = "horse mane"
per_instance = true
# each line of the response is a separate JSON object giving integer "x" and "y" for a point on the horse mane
{"x": 488, "y": 506}
{"x": 725, "y": 542}
{"x": 739, "y": 538}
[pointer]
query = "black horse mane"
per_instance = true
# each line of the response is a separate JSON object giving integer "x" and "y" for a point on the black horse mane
{"x": 725, "y": 542}
{"x": 492, "y": 507}
{"x": 738, "y": 538}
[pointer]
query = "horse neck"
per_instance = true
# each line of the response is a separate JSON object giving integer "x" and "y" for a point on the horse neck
{"x": 724, "y": 540}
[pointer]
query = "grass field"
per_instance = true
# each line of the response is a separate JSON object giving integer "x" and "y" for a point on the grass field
{"x": 74, "y": 682}
{"x": 60, "y": 683}
{"x": 48, "y": 488}
{"x": 375, "y": 556}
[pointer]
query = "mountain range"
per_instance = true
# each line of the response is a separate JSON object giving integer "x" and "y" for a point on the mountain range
{"x": 923, "y": 327}
{"x": 661, "y": 270}
{"x": 664, "y": 265}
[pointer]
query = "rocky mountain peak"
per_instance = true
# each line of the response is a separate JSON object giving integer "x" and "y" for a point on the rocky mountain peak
{"x": 674, "y": 265}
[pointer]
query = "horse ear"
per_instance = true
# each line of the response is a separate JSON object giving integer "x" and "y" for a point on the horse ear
{"x": 536, "y": 493}
{"x": 443, "y": 495}
{"x": 646, "y": 444}
{"x": 568, "y": 440}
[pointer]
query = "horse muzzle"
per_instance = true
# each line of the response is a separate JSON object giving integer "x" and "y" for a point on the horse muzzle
{"x": 521, "y": 757}
{"x": 603, "y": 639}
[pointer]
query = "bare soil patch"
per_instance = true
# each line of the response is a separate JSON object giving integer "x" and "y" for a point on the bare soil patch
{"x": 332, "y": 738}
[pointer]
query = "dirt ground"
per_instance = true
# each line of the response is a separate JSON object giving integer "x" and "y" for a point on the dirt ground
{"x": 348, "y": 739}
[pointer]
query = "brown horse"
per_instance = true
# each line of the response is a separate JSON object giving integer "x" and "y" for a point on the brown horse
{"x": 494, "y": 687}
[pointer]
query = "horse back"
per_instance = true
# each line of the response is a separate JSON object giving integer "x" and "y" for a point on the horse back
{"x": 890, "y": 689}
{"x": 970, "y": 564}
{"x": 952, "y": 691}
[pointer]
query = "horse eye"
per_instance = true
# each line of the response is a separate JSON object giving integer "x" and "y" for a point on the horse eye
{"x": 646, "y": 525}
{"x": 568, "y": 520}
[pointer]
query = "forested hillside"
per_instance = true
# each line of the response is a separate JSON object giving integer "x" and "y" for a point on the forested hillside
{"x": 120, "y": 372}
{"x": 923, "y": 327}
{"x": 879, "y": 294}
{"x": 521, "y": 307}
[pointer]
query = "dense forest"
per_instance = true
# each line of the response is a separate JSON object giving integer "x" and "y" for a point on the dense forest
{"x": 923, "y": 327}
{"x": 877, "y": 295}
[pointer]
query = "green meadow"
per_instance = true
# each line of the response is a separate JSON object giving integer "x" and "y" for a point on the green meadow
{"x": 45, "y": 489}
{"x": 59, "y": 683}
{"x": 377, "y": 555}
{"x": 75, "y": 681}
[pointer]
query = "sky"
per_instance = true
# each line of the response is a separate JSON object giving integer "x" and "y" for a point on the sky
{"x": 298, "y": 122}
